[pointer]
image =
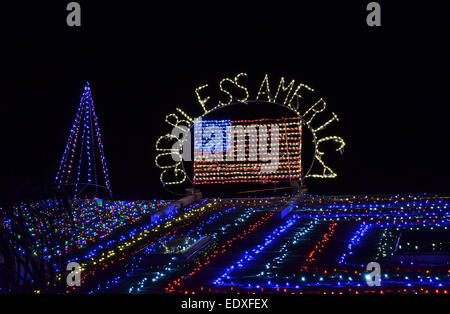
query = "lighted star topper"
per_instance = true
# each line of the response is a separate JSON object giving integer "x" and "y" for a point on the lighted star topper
{"x": 291, "y": 95}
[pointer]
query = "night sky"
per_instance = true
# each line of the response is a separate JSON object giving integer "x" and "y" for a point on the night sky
{"x": 388, "y": 85}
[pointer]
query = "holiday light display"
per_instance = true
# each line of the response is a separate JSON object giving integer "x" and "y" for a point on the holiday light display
{"x": 292, "y": 96}
{"x": 137, "y": 239}
{"x": 317, "y": 273}
{"x": 238, "y": 151}
{"x": 87, "y": 224}
{"x": 323, "y": 246}
{"x": 320, "y": 276}
{"x": 83, "y": 163}
{"x": 235, "y": 216}
{"x": 324, "y": 219}
{"x": 100, "y": 261}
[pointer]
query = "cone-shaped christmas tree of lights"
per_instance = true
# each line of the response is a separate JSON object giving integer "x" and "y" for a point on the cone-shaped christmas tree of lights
{"x": 83, "y": 170}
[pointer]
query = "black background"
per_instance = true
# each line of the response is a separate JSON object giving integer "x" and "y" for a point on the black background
{"x": 389, "y": 85}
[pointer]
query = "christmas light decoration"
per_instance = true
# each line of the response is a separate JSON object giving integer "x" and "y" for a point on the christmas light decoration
{"x": 291, "y": 96}
{"x": 89, "y": 223}
{"x": 321, "y": 247}
{"x": 83, "y": 164}
{"x": 374, "y": 217}
{"x": 238, "y": 151}
{"x": 100, "y": 261}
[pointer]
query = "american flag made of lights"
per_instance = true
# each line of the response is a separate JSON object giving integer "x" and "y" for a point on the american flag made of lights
{"x": 247, "y": 151}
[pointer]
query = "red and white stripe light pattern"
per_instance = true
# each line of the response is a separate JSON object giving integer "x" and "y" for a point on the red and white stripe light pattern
{"x": 247, "y": 151}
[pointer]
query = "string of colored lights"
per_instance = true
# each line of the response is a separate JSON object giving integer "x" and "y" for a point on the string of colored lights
{"x": 223, "y": 249}
{"x": 85, "y": 141}
{"x": 290, "y": 97}
{"x": 135, "y": 241}
{"x": 231, "y": 151}
{"x": 337, "y": 279}
{"x": 195, "y": 223}
{"x": 420, "y": 213}
{"x": 355, "y": 240}
{"x": 322, "y": 246}
{"x": 89, "y": 223}
{"x": 249, "y": 256}
{"x": 220, "y": 230}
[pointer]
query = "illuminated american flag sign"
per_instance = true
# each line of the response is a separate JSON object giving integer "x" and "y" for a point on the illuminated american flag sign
{"x": 247, "y": 151}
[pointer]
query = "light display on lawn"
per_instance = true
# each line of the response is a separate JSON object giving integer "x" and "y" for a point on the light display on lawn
{"x": 290, "y": 244}
{"x": 323, "y": 246}
{"x": 83, "y": 164}
{"x": 243, "y": 151}
{"x": 292, "y": 96}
